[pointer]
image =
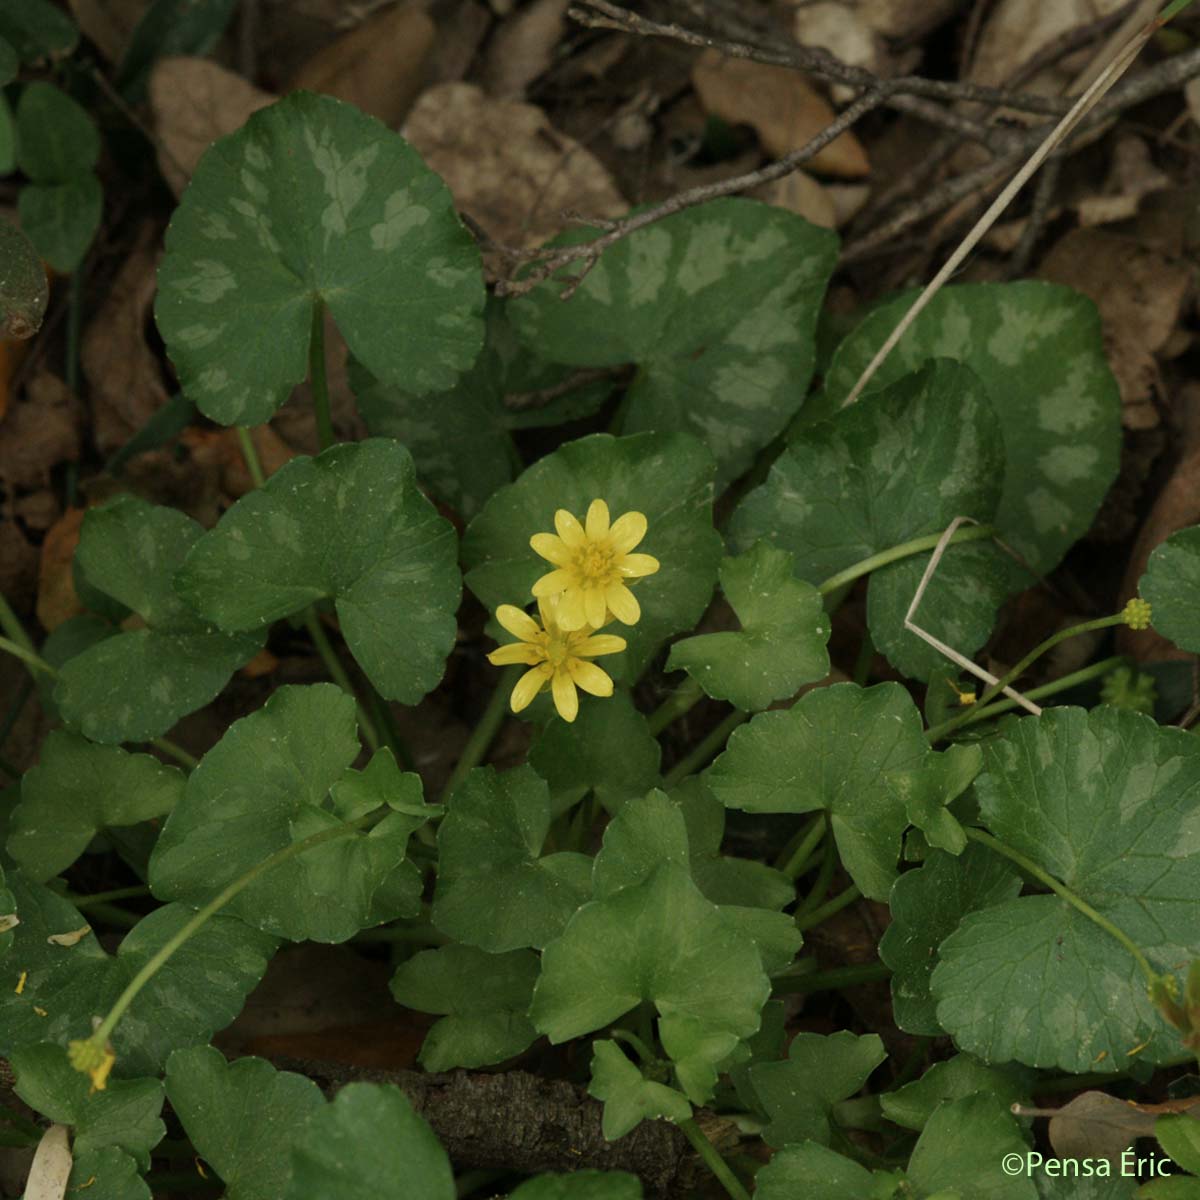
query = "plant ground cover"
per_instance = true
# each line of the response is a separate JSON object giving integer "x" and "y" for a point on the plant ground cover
{"x": 512, "y": 686}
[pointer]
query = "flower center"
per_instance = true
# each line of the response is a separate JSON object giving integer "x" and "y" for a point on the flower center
{"x": 558, "y": 649}
{"x": 595, "y": 564}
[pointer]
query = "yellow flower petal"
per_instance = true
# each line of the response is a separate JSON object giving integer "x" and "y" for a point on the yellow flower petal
{"x": 519, "y": 623}
{"x": 594, "y": 607}
{"x": 554, "y": 582}
{"x": 627, "y": 531}
{"x": 552, "y": 548}
{"x": 566, "y": 698}
{"x": 571, "y": 614}
{"x": 632, "y": 566}
{"x": 590, "y": 677}
{"x": 516, "y": 652}
{"x": 569, "y": 529}
{"x": 597, "y": 644}
{"x": 597, "y": 521}
{"x": 623, "y": 603}
{"x": 528, "y": 686}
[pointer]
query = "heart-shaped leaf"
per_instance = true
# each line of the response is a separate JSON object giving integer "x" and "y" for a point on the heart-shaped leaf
{"x": 1172, "y": 585}
{"x": 782, "y": 641}
{"x": 902, "y": 463}
{"x": 78, "y": 789}
{"x": 263, "y": 786}
{"x": 313, "y": 202}
{"x": 830, "y": 751}
{"x": 136, "y": 685}
{"x": 1102, "y": 801}
{"x": 717, "y": 305}
{"x": 1038, "y": 349}
{"x": 350, "y": 525}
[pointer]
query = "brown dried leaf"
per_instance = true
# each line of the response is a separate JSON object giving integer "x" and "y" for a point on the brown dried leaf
{"x": 507, "y": 166}
{"x": 379, "y": 66}
{"x": 57, "y": 600}
{"x": 221, "y": 449}
{"x": 123, "y": 373}
{"x": 109, "y": 23}
{"x": 801, "y": 194}
{"x": 195, "y": 101}
{"x": 1140, "y": 295}
{"x": 523, "y": 48}
{"x": 39, "y": 431}
{"x": 12, "y": 354}
{"x": 782, "y": 108}
{"x": 18, "y": 566}
{"x": 1097, "y": 1125}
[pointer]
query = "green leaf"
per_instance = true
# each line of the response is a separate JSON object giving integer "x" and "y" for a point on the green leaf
{"x": 782, "y": 641}
{"x": 927, "y": 905}
{"x": 37, "y": 29}
{"x": 961, "y": 1150}
{"x": 902, "y": 463}
{"x": 243, "y": 1117}
{"x": 1096, "y": 1187}
{"x": 485, "y": 998}
{"x": 666, "y": 477}
{"x": 608, "y": 749}
{"x": 814, "y": 1172}
{"x": 61, "y": 219}
{"x": 369, "y": 1144}
{"x": 629, "y": 1097}
{"x": 124, "y": 1115}
{"x": 724, "y": 879}
{"x": 581, "y": 1185}
{"x": 1172, "y": 584}
{"x": 76, "y": 790}
{"x": 381, "y": 782}
{"x": 1100, "y": 800}
{"x": 262, "y": 787}
{"x": 199, "y": 990}
{"x": 24, "y": 292}
{"x": 10, "y": 64}
{"x": 495, "y": 889}
{"x": 659, "y": 941}
{"x": 927, "y": 792}
{"x": 1179, "y": 1136}
{"x": 108, "y": 1174}
{"x": 170, "y": 27}
{"x": 8, "y": 916}
{"x": 718, "y": 307}
{"x": 798, "y": 1095}
{"x": 57, "y": 139}
{"x": 1038, "y": 349}
{"x": 963, "y": 1075}
{"x": 830, "y": 751}
{"x": 1174, "y": 1187}
{"x": 350, "y": 525}
{"x": 137, "y": 685}
{"x": 311, "y": 202}
{"x": 645, "y": 833}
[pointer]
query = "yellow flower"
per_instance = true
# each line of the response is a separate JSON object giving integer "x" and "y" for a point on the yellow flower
{"x": 593, "y": 563}
{"x": 93, "y": 1059}
{"x": 557, "y": 656}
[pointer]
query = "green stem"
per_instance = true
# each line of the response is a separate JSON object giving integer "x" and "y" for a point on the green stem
{"x": 685, "y": 697}
{"x": 827, "y": 910}
{"x": 317, "y": 379}
{"x": 862, "y": 664}
{"x": 704, "y": 749}
{"x": 13, "y": 627}
{"x": 1063, "y": 892}
{"x": 820, "y": 884}
{"x": 178, "y": 753}
{"x": 18, "y": 705}
{"x": 250, "y": 455}
{"x": 832, "y": 980}
{"x": 485, "y": 730}
{"x": 112, "y": 914}
{"x": 125, "y": 893}
{"x": 807, "y": 844}
{"x": 994, "y": 689}
{"x": 157, "y": 960}
{"x": 713, "y": 1160}
{"x": 647, "y": 1056}
{"x": 978, "y": 712}
{"x": 968, "y": 533}
{"x": 861, "y": 1112}
{"x": 30, "y": 658}
{"x": 337, "y": 673}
